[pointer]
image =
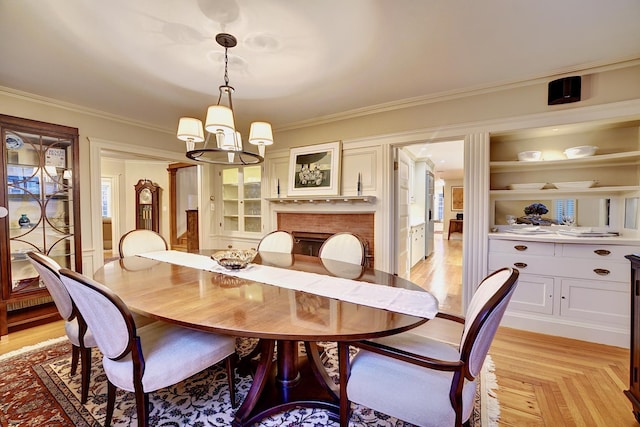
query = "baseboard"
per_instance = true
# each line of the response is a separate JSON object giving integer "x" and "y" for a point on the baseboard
{"x": 618, "y": 337}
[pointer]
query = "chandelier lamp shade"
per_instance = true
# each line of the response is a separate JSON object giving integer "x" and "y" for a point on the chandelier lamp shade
{"x": 220, "y": 124}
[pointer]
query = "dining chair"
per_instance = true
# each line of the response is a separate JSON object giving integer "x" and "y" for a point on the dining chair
{"x": 276, "y": 241}
{"x": 136, "y": 242}
{"x": 146, "y": 359}
{"x": 345, "y": 247}
{"x": 433, "y": 383}
{"x": 81, "y": 338}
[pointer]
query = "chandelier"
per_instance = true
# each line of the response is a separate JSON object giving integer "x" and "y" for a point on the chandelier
{"x": 220, "y": 124}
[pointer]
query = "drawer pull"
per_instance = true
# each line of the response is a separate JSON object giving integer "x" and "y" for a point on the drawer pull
{"x": 520, "y": 264}
{"x": 602, "y": 252}
{"x": 520, "y": 248}
{"x": 601, "y": 271}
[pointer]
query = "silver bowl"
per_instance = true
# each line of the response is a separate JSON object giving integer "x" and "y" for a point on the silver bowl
{"x": 234, "y": 259}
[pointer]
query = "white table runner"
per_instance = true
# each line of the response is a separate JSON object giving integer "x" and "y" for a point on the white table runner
{"x": 399, "y": 300}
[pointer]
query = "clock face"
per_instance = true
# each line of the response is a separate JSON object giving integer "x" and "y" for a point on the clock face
{"x": 14, "y": 142}
{"x": 145, "y": 196}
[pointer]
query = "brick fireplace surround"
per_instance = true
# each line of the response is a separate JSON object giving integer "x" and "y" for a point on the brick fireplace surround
{"x": 361, "y": 224}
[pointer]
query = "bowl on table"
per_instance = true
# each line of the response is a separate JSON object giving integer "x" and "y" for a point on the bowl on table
{"x": 234, "y": 259}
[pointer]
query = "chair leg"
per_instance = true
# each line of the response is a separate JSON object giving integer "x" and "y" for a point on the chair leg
{"x": 142, "y": 408}
{"x": 111, "y": 403}
{"x": 231, "y": 376}
{"x": 75, "y": 353}
{"x": 344, "y": 370}
{"x": 85, "y": 374}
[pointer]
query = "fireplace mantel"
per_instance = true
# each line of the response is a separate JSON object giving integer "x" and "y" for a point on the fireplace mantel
{"x": 324, "y": 199}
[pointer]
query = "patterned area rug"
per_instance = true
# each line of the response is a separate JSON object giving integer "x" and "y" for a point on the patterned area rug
{"x": 36, "y": 389}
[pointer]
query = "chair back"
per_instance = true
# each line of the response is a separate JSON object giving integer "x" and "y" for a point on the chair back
{"x": 277, "y": 241}
{"x": 484, "y": 315}
{"x": 48, "y": 270}
{"x": 345, "y": 247}
{"x": 104, "y": 312}
{"x": 140, "y": 241}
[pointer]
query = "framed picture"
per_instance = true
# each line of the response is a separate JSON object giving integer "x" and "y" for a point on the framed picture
{"x": 315, "y": 170}
{"x": 457, "y": 198}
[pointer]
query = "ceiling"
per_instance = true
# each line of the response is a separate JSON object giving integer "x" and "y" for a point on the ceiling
{"x": 300, "y": 61}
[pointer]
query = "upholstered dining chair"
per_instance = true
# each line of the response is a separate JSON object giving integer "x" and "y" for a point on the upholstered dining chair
{"x": 433, "y": 383}
{"x": 136, "y": 242}
{"x": 81, "y": 338}
{"x": 345, "y": 247}
{"x": 146, "y": 359}
{"x": 276, "y": 241}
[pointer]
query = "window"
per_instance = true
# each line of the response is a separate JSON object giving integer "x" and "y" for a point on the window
{"x": 106, "y": 197}
{"x": 565, "y": 210}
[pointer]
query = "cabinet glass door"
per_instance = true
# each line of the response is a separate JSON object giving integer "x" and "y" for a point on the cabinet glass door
{"x": 230, "y": 199}
{"x": 252, "y": 199}
{"x": 242, "y": 199}
{"x": 40, "y": 198}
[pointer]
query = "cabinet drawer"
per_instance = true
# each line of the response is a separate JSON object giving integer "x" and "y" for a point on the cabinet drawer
{"x": 530, "y": 264}
{"x": 533, "y": 294}
{"x": 521, "y": 247}
{"x": 598, "y": 252}
{"x": 593, "y": 269}
{"x": 595, "y": 302}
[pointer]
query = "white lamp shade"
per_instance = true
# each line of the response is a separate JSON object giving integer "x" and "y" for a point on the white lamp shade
{"x": 219, "y": 119}
{"x": 227, "y": 140}
{"x": 260, "y": 134}
{"x": 190, "y": 129}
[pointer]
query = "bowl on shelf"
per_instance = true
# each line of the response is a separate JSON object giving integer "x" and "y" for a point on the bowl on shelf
{"x": 528, "y": 186}
{"x": 234, "y": 259}
{"x": 530, "y": 156}
{"x": 574, "y": 184}
{"x": 580, "y": 151}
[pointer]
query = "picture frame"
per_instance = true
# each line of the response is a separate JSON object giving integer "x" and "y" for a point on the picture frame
{"x": 315, "y": 170}
{"x": 457, "y": 198}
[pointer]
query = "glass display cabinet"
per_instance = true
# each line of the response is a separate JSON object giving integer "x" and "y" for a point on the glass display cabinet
{"x": 242, "y": 199}
{"x": 39, "y": 211}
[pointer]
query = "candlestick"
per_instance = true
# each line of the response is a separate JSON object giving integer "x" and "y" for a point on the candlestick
{"x": 359, "y": 186}
{"x": 278, "y": 187}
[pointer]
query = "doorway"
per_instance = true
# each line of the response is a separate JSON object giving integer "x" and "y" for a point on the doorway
{"x": 444, "y": 161}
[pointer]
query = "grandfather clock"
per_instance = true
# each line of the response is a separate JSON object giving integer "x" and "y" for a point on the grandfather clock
{"x": 147, "y": 205}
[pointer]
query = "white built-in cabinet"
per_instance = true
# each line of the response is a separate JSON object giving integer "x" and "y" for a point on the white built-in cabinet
{"x": 242, "y": 199}
{"x": 578, "y": 290}
{"x": 417, "y": 243}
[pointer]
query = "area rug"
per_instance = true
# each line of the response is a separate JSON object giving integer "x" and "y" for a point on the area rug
{"x": 36, "y": 389}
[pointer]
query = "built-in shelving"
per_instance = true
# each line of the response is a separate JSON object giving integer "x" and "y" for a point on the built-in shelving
{"x": 324, "y": 199}
{"x": 604, "y": 160}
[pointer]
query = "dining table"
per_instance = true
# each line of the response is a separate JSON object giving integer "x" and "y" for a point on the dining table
{"x": 266, "y": 302}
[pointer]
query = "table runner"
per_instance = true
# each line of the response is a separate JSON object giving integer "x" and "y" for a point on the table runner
{"x": 399, "y": 300}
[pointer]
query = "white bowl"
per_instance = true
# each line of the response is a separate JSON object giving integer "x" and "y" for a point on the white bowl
{"x": 529, "y": 156}
{"x": 580, "y": 151}
{"x": 574, "y": 184}
{"x": 528, "y": 186}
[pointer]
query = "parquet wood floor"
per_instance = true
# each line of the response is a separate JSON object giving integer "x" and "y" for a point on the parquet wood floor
{"x": 543, "y": 380}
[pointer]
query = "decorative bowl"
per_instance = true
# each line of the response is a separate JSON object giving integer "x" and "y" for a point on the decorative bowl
{"x": 234, "y": 259}
{"x": 580, "y": 151}
{"x": 530, "y": 156}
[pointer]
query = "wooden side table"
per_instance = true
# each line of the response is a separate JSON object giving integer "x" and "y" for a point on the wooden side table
{"x": 455, "y": 226}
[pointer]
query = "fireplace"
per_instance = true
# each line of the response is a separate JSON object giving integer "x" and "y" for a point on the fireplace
{"x": 310, "y": 230}
{"x": 308, "y": 243}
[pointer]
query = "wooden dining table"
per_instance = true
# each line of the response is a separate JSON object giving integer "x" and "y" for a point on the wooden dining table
{"x": 281, "y": 318}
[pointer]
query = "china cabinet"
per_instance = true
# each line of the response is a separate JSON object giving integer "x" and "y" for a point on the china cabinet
{"x": 633, "y": 393}
{"x": 147, "y": 205}
{"x": 242, "y": 199}
{"x": 41, "y": 205}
